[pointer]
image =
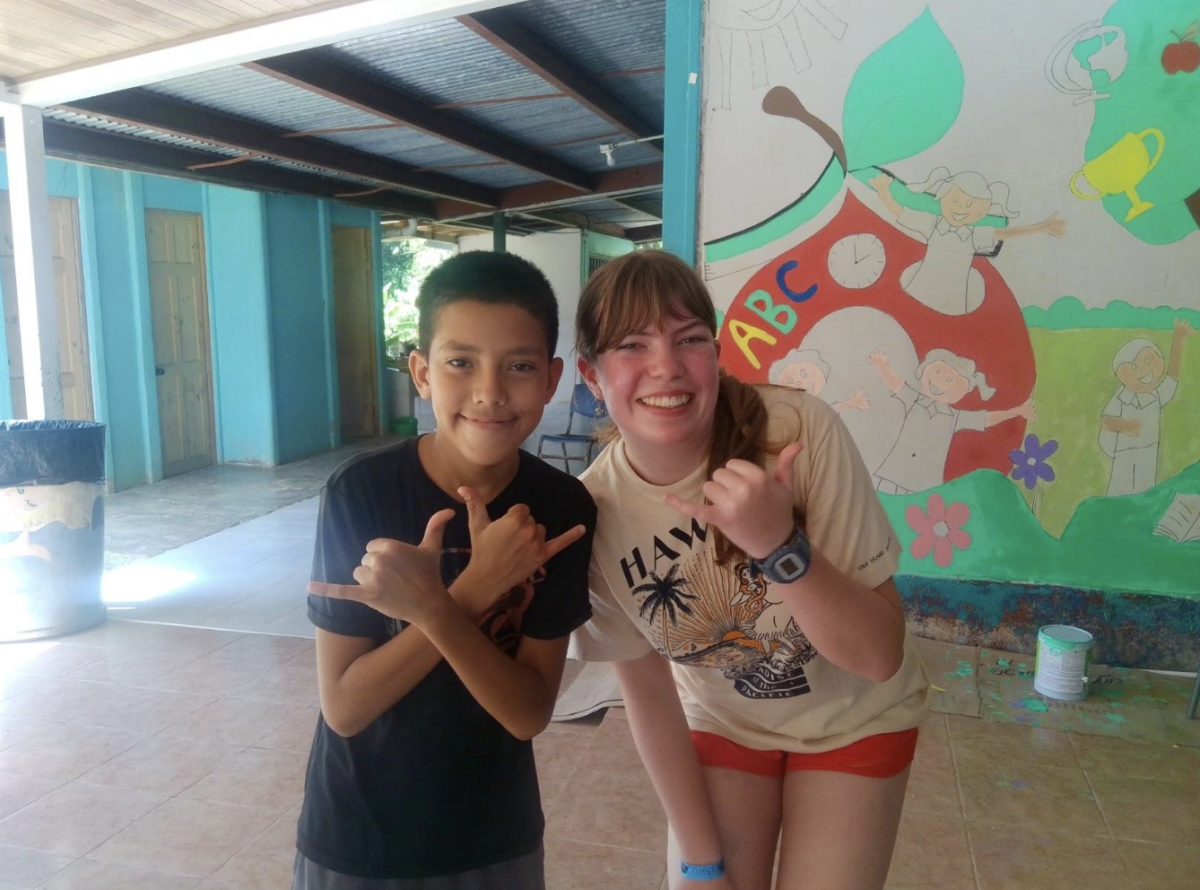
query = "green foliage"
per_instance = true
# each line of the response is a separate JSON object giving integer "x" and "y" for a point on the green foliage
{"x": 405, "y": 265}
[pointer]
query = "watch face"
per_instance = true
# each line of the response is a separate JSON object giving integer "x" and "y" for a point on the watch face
{"x": 790, "y": 567}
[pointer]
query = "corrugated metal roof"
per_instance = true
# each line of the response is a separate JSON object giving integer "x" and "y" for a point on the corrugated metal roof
{"x": 260, "y": 97}
{"x": 503, "y": 176}
{"x": 587, "y": 156}
{"x": 602, "y": 35}
{"x": 439, "y": 62}
{"x": 538, "y": 123}
{"x": 643, "y": 94}
{"x": 445, "y": 63}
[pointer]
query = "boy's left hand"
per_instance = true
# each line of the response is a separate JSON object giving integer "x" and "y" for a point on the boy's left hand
{"x": 752, "y": 509}
{"x": 397, "y": 579}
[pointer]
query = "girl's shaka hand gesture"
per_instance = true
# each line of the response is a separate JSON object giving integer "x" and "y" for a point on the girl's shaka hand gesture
{"x": 751, "y": 508}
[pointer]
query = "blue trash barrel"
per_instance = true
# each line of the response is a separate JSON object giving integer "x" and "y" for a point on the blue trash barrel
{"x": 51, "y": 527}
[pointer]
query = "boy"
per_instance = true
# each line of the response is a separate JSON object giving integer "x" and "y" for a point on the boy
{"x": 421, "y": 773}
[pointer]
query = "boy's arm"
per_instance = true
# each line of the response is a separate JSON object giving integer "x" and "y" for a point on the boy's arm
{"x": 519, "y": 693}
{"x": 403, "y": 582}
{"x": 359, "y": 681}
{"x": 1175, "y": 361}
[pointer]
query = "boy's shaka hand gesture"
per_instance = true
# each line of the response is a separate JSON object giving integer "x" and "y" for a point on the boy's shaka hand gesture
{"x": 504, "y": 553}
{"x": 397, "y": 579}
{"x": 752, "y": 509}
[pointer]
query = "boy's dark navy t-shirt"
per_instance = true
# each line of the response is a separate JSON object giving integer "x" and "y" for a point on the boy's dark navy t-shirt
{"x": 434, "y": 786}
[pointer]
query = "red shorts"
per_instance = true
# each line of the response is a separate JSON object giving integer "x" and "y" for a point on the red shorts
{"x": 878, "y": 756}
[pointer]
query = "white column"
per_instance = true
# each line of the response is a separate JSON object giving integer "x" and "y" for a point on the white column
{"x": 36, "y": 301}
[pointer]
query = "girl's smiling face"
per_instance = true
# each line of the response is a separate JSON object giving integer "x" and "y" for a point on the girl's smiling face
{"x": 942, "y": 383}
{"x": 960, "y": 209}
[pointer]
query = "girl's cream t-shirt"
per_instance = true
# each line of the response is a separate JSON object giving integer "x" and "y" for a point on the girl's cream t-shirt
{"x": 743, "y": 667}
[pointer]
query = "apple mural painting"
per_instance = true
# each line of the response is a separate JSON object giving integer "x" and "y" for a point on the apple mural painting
{"x": 848, "y": 278}
{"x": 1184, "y": 54}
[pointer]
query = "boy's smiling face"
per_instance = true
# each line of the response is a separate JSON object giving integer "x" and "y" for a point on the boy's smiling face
{"x": 489, "y": 377}
{"x": 1144, "y": 373}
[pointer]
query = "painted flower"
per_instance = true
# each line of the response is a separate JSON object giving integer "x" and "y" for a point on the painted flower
{"x": 940, "y": 530}
{"x": 1031, "y": 465}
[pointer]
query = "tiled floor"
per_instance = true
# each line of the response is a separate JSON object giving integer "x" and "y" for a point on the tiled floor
{"x": 155, "y": 755}
{"x": 149, "y": 756}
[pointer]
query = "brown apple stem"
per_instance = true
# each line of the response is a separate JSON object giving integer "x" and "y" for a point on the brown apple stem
{"x": 782, "y": 102}
{"x": 1193, "y": 205}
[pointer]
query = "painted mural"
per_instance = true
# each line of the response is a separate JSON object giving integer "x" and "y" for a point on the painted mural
{"x": 974, "y": 230}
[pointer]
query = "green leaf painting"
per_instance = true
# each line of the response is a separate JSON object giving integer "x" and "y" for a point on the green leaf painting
{"x": 904, "y": 96}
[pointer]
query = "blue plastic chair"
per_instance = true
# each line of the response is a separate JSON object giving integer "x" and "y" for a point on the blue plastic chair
{"x": 590, "y": 410}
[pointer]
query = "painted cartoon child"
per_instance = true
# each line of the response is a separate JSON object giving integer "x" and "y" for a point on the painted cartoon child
{"x": 944, "y": 279}
{"x": 918, "y": 459}
{"x": 1129, "y": 424}
{"x": 805, "y": 369}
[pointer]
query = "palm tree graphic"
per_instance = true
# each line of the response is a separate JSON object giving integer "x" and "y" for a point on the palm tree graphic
{"x": 668, "y": 595}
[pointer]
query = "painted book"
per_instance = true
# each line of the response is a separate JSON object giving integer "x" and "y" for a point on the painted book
{"x": 1181, "y": 522}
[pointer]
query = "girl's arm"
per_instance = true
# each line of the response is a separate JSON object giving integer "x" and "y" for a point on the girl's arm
{"x": 859, "y": 629}
{"x": 1025, "y": 409}
{"x": 664, "y": 743}
{"x": 1052, "y": 225}
{"x": 891, "y": 379}
{"x": 882, "y": 185}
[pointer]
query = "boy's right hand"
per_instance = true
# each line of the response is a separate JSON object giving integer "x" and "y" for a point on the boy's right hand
{"x": 504, "y": 553}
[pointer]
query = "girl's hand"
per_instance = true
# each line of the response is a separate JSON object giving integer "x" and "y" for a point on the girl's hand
{"x": 1054, "y": 226}
{"x": 753, "y": 510}
{"x": 504, "y": 553}
{"x": 880, "y": 183}
{"x": 397, "y": 579}
{"x": 878, "y": 358}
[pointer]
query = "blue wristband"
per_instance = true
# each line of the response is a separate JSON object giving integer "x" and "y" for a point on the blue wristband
{"x": 703, "y": 872}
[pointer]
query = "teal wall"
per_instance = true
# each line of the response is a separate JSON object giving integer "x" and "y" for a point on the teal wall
{"x": 300, "y": 292}
{"x": 240, "y": 313}
{"x": 269, "y": 274}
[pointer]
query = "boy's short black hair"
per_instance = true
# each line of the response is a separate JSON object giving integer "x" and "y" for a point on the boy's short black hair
{"x": 497, "y": 278}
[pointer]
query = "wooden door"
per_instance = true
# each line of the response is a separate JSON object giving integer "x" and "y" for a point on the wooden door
{"x": 179, "y": 309}
{"x": 72, "y": 321}
{"x": 354, "y": 308}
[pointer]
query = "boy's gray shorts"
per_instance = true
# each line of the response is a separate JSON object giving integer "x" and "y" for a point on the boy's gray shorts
{"x": 523, "y": 873}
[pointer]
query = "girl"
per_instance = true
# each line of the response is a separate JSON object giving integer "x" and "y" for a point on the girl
{"x": 807, "y": 731}
{"x": 918, "y": 459}
{"x": 944, "y": 279}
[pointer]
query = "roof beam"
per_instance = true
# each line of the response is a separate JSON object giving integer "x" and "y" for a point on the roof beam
{"x": 87, "y": 145}
{"x": 326, "y": 77}
{"x": 284, "y": 33}
{"x": 630, "y": 180}
{"x": 143, "y": 108}
{"x": 641, "y": 234}
{"x": 651, "y": 205}
{"x": 504, "y": 30}
{"x": 571, "y": 220}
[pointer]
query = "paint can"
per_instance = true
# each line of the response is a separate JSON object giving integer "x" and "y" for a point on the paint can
{"x": 1064, "y": 654}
